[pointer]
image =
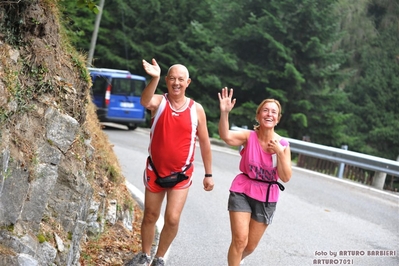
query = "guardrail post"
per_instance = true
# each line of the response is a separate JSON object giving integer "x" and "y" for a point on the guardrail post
{"x": 379, "y": 180}
{"x": 342, "y": 165}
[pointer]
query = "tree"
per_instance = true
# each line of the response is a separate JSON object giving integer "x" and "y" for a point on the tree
{"x": 373, "y": 127}
{"x": 373, "y": 93}
{"x": 308, "y": 54}
{"x": 285, "y": 51}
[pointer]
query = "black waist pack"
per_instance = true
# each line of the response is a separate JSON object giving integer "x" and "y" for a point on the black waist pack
{"x": 170, "y": 180}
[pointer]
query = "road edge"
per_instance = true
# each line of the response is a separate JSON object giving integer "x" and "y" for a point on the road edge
{"x": 138, "y": 196}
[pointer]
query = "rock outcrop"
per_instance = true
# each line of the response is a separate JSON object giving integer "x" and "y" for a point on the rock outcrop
{"x": 52, "y": 196}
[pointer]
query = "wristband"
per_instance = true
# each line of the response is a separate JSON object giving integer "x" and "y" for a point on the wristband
{"x": 208, "y": 175}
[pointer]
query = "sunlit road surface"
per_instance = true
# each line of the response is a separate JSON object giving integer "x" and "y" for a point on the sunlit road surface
{"x": 320, "y": 220}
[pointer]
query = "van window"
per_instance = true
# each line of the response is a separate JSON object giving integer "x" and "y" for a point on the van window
{"x": 139, "y": 86}
{"x": 116, "y": 94}
{"x": 127, "y": 87}
{"x": 120, "y": 86}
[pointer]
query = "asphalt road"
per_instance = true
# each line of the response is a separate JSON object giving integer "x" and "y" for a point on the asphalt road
{"x": 320, "y": 220}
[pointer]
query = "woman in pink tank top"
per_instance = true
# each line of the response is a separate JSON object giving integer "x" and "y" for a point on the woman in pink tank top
{"x": 265, "y": 160}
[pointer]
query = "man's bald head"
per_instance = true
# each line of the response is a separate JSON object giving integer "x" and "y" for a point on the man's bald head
{"x": 179, "y": 67}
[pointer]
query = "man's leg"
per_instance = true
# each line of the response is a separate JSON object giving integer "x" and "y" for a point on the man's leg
{"x": 152, "y": 209}
{"x": 175, "y": 200}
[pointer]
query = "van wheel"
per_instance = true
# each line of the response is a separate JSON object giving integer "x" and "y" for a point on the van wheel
{"x": 131, "y": 126}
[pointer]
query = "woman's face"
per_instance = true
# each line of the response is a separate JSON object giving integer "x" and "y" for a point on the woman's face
{"x": 268, "y": 115}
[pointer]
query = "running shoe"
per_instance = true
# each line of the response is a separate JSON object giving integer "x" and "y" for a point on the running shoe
{"x": 141, "y": 259}
{"x": 158, "y": 261}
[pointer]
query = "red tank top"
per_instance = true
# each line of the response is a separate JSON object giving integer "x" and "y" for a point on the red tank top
{"x": 172, "y": 138}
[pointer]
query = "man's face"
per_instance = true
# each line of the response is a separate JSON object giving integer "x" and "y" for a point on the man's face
{"x": 177, "y": 80}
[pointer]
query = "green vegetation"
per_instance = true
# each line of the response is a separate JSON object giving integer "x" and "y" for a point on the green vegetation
{"x": 70, "y": 235}
{"x": 332, "y": 64}
{"x": 41, "y": 238}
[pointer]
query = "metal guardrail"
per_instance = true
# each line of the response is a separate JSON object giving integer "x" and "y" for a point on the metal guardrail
{"x": 338, "y": 155}
{"x": 360, "y": 160}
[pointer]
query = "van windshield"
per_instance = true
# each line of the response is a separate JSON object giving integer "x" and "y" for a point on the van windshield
{"x": 128, "y": 87}
{"x": 120, "y": 86}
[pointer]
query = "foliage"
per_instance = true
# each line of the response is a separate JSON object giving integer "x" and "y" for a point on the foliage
{"x": 374, "y": 122}
{"x": 377, "y": 130}
{"x": 89, "y": 4}
{"x": 285, "y": 52}
{"x": 320, "y": 59}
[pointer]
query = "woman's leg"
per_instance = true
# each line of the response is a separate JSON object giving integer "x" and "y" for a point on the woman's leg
{"x": 239, "y": 224}
{"x": 256, "y": 231}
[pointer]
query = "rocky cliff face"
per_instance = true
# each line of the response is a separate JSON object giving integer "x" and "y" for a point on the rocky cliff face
{"x": 54, "y": 182}
{"x": 54, "y": 187}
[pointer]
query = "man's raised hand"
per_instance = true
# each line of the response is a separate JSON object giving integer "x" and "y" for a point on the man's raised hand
{"x": 152, "y": 69}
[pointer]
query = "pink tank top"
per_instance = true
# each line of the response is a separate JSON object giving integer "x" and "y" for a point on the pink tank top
{"x": 172, "y": 138}
{"x": 256, "y": 166}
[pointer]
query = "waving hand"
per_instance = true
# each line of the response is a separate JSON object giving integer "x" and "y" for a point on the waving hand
{"x": 152, "y": 69}
{"x": 225, "y": 100}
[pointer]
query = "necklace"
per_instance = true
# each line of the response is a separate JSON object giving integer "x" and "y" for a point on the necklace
{"x": 181, "y": 107}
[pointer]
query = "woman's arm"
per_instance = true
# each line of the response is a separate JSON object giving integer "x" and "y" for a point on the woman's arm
{"x": 232, "y": 138}
{"x": 284, "y": 168}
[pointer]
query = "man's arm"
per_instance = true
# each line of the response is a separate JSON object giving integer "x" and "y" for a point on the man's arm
{"x": 148, "y": 98}
{"x": 205, "y": 146}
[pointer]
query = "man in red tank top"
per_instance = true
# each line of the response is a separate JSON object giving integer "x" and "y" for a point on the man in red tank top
{"x": 176, "y": 122}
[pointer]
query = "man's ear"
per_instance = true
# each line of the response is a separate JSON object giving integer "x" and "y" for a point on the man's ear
{"x": 188, "y": 81}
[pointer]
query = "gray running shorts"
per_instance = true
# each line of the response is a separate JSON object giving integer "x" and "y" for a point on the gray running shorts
{"x": 239, "y": 202}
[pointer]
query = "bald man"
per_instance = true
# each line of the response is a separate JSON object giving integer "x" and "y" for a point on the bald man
{"x": 176, "y": 122}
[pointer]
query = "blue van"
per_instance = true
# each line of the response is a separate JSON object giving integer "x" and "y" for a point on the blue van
{"x": 116, "y": 93}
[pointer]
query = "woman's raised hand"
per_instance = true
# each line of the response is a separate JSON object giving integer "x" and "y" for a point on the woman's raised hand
{"x": 226, "y": 100}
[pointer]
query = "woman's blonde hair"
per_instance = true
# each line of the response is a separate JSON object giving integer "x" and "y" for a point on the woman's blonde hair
{"x": 256, "y": 127}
